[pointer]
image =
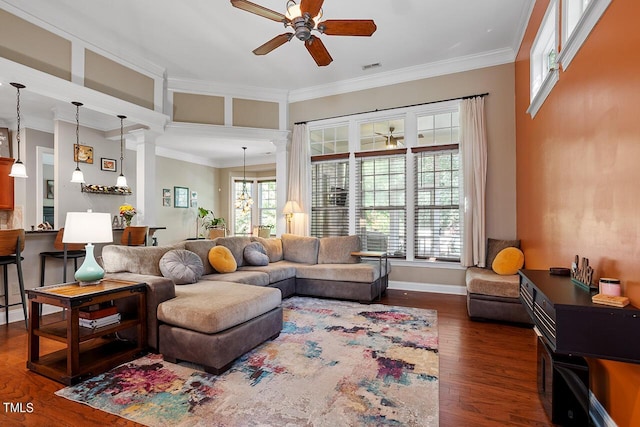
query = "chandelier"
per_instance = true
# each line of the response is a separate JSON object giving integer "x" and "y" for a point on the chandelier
{"x": 244, "y": 200}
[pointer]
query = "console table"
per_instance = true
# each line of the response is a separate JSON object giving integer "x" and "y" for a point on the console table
{"x": 571, "y": 327}
{"x": 87, "y": 351}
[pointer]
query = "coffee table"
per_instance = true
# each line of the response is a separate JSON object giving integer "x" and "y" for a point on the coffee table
{"x": 88, "y": 351}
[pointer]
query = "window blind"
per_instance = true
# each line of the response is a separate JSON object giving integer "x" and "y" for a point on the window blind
{"x": 330, "y": 198}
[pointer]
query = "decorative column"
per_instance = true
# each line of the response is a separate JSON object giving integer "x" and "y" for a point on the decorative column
{"x": 145, "y": 146}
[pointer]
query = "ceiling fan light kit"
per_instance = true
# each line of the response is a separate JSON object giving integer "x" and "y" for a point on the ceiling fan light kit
{"x": 304, "y": 18}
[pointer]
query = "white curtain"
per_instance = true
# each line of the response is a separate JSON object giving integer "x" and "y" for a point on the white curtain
{"x": 473, "y": 142}
{"x": 298, "y": 179}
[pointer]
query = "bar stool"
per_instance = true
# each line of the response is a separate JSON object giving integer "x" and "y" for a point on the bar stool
{"x": 65, "y": 252}
{"x": 135, "y": 235}
{"x": 11, "y": 247}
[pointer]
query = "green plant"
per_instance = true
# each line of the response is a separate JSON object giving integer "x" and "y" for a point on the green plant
{"x": 209, "y": 220}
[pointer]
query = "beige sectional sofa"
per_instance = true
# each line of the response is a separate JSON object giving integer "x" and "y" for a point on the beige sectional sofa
{"x": 223, "y": 315}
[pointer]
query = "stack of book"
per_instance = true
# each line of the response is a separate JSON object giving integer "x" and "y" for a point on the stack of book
{"x": 98, "y": 317}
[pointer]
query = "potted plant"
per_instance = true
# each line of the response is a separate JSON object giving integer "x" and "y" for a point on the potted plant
{"x": 214, "y": 226}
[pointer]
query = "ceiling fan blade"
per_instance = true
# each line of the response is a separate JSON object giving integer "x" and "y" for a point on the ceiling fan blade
{"x": 275, "y": 42}
{"x": 317, "y": 50}
{"x": 347, "y": 27}
{"x": 259, "y": 10}
{"x": 311, "y": 6}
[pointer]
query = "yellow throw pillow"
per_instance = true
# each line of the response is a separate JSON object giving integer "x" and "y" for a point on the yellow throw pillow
{"x": 508, "y": 261}
{"x": 222, "y": 260}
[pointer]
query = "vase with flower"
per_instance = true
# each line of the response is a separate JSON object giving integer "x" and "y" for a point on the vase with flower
{"x": 127, "y": 212}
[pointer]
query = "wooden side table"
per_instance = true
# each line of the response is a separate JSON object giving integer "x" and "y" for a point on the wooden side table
{"x": 88, "y": 351}
{"x": 380, "y": 255}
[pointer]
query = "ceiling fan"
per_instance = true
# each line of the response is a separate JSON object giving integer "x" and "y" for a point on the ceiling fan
{"x": 394, "y": 141}
{"x": 303, "y": 18}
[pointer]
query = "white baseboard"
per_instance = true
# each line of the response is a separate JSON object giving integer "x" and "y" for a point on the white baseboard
{"x": 15, "y": 315}
{"x": 428, "y": 287}
{"x": 598, "y": 414}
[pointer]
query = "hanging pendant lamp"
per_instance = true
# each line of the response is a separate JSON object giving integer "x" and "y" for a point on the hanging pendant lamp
{"x": 122, "y": 180}
{"x": 18, "y": 170}
{"x": 77, "y": 176}
{"x": 244, "y": 201}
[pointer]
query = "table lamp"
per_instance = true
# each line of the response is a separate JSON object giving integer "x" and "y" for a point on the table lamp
{"x": 88, "y": 227}
{"x": 290, "y": 208}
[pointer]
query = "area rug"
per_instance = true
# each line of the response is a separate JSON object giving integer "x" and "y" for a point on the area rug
{"x": 334, "y": 364}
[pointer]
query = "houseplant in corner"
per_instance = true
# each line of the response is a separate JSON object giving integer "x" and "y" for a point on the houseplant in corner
{"x": 214, "y": 227}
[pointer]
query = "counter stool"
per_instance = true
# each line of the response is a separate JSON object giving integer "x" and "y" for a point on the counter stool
{"x": 135, "y": 235}
{"x": 11, "y": 247}
{"x": 65, "y": 252}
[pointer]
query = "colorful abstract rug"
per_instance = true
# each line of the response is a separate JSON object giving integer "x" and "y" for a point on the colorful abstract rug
{"x": 334, "y": 364}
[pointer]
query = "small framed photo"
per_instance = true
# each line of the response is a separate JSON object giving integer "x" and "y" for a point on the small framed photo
{"x": 49, "y": 189}
{"x": 194, "y": 199}
{"x": 166, "y": 202}
{"x": 83, "y": 153}
{"x": 166, "y": 192}
{"x": 180, "y": 197}
{"x": 110, "y": 165}
{"x": 5, "y": 143}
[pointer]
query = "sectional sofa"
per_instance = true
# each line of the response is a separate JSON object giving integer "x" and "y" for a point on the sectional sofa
{"x": 220, "y": 316}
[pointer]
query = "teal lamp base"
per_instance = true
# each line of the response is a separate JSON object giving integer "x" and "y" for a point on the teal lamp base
{"x": 89, "y": 273}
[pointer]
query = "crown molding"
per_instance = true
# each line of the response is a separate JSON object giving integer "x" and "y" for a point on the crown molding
{"x": 434, "y": 69}
{"x": 185, "y": 157}
{"x": 522, "y": 25}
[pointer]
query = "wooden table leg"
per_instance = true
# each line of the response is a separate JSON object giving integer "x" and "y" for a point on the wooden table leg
{"x": 34, "y": 340}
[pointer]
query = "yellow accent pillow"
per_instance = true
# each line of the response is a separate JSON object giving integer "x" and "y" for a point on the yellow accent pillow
{"x": 222, "y": 260}
{"x": 508, "y": 261}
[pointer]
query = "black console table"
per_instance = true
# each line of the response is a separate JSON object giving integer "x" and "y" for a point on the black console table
{"x": 571, "y": 327}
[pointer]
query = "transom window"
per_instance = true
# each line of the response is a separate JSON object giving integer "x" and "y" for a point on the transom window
{"x": 330, "y": 140}
{"x": 382, "y": 135}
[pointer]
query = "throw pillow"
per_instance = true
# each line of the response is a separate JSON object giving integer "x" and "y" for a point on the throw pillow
{"x": 222, "y": 260}
{"x": 181, "y": 266}
{"x": 508, "y": 261}
{"x": 255, "y": 254}
{"x": 494, "y": 246}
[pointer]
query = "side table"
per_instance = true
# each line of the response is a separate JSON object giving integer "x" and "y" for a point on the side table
{"x": 380, "y": 255}
{"x": 88, "y": 351}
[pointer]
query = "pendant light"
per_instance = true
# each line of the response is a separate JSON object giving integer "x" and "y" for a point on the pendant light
{"x": 18, "y": 170}
{"x": 244, "y": 201}
{"x": 122, "y": 180}
{"x": 77, "y": 176}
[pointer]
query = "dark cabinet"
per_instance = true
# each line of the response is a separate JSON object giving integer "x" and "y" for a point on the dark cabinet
{"x": 6, "y": 184}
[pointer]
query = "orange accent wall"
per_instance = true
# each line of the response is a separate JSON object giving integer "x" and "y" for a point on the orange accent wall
{"x": 578, "y": 174}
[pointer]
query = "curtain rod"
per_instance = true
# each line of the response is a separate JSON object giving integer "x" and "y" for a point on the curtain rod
{"x": 480, "y": 95}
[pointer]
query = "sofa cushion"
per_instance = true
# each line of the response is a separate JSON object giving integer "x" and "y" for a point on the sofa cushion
{"x": 362, "y": 272}
{"x": 134, "y": 259}
{"x": 508, "y": 261}
{"x": 486, "y": 282}
{"x": 236, "y": 245}
{"x": 494, "y": 246}
{"x": 273, "y": 246}
{"x": 211, "y": 307}
{"x": 256, "y": 278}
{"x": 181, "y": 266}
{"x": 201, "y": 248}
{"x": 300, "y": 249}
{"x": 255, "y": 254}
{"x": 337, "y": 250}
{"x": 222, "y": 259}
{"x": 277, "y": 271}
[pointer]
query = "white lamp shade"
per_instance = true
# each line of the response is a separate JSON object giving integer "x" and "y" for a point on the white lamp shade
{"x": 291, "y": 207}
{"x": 121, "y": 181}
{"x": 77, "y": 176}
{"x": 18, "y": 170}
{"x": 87, "y": 227}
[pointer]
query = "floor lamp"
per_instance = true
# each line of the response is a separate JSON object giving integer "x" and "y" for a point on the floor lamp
{"x": 290, "y": 208}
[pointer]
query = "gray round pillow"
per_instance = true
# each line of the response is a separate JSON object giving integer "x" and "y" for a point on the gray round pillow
{"x": 255, "y": 254}
{"x": 181, "y": 266}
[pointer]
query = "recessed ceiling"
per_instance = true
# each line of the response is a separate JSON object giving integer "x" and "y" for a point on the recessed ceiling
{"x": 211, "y": 41}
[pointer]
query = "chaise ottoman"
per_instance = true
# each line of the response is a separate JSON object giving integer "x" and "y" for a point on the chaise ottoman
{"x": 211, "y": 323}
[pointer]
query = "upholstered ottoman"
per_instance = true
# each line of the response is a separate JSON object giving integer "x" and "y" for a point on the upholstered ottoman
{"x": 212, "y": 323}
{"x": 491, "y": 296}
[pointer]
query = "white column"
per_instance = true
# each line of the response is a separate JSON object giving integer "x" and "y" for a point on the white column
{"x": 145, "y": 146}
{"x": 282, "y": 172}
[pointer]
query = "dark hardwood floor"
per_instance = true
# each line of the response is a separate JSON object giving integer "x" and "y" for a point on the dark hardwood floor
{"x": 487, "y": 373}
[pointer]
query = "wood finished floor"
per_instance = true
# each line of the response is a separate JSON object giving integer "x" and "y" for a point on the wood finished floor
{"x": 487, "y": 373}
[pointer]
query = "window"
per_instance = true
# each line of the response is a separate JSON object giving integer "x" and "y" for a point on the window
{"x": 382, "y": 135}
{"x": 578, "y": 19}
{"x": 381, "y": 203}
{"x": 263, "y": 210}
{"x": 439, "y": 129}
{"x": 329, "y": 140}
{"x": 329, "y": 198}
{"x": 544, "y": 73}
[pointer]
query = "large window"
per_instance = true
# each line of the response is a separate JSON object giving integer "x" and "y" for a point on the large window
{"x": 267, "y": 204}
{"x": 263, "y": 210}
{"x": 330, "y": 197}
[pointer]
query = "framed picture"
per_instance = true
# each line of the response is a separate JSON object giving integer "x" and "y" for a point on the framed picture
{"x": 49, "y": 189}
{"x": 110, "y": 165}
{"x": 5, "y": 143}
{"x": 180, "y": 197}
{"x": 166, "y": 202}
{"x": 83, "y": 153}
{"x": 194, "y": 199}
{"x": 166, "y": 192}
